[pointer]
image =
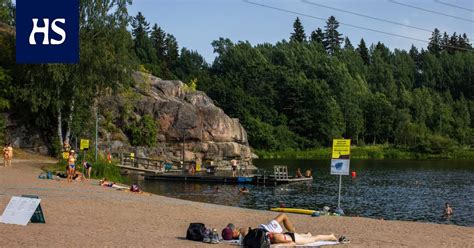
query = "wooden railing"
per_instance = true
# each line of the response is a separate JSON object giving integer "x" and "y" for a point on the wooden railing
{"x": 144, "y": 164}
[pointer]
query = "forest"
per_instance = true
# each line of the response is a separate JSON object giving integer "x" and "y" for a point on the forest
{"x": 295, "y": 95}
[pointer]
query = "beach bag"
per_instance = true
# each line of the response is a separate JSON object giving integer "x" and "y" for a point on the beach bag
{"x": 196, "y": 232}
{"x": 256, "y": 238}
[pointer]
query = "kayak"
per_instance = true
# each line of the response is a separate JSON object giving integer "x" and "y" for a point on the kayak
{"x": 294, "y": 210}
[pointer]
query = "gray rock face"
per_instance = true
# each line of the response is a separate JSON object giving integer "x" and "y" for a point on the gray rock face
{"x": 208, "y": 132}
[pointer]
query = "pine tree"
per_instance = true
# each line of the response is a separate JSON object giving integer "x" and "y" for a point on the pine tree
{"x": 463, "y": 42}
{"x": 435, "y": 42}
{"x": 445, "y": 41}
{"x": 298, "y": 35}
{"x": 466, "y": 41}
{"x": 158, "y": 39}
{"x": 142, "y": 43}
{"x": 348, "y": 44}
{"x": 363, "y": 52}
{"x": 453, "y": 43}
{"x": 317, "y": 36}
{"x": 171, "y": 51}
{"x": 332, "y": 37}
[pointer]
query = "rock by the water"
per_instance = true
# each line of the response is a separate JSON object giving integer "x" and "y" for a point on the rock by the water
{"x": 209, "y": 133}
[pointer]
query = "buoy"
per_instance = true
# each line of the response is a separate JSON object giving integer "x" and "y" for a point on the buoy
{"x": 353, "y": 174}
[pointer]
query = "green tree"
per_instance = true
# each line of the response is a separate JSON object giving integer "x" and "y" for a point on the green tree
{"x": 332, "y": 37}
{"x": 172, "y": 54}
{"x": 435, "y": 42}
{"x": 317, "y": 36}
{"x": 7, "y": 13}
{"x": 142, "y": 44}
{"x": 363, "y": 52}
{"x": 143, "y": 132}
{"x": 298, "y": 34}
{"x": 158, "y": 40}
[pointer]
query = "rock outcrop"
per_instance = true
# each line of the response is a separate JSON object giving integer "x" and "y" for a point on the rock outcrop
{"x": 183, "y": 115}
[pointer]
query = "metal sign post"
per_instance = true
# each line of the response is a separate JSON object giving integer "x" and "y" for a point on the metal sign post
{"x": 339, "y": 197}
{"x": 340, "y": 161}
{"x": 84, "y": 145}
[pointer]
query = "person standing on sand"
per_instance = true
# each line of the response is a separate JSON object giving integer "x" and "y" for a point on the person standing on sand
{"x": 7, "y": 155}
{"x": 88, "y": 168}
{"x": 71, "y": 161}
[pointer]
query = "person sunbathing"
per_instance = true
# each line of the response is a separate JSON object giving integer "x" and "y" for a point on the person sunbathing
{"x": 106, "y": 183}
{"x": 276, "y": 234}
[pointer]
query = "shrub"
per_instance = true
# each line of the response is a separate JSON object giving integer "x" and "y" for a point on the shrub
{"x": 143, "y": 132}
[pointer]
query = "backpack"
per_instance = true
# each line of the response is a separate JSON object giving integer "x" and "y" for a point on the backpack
{"x": 256, "y": 238}
{"x": 195, "y": 231}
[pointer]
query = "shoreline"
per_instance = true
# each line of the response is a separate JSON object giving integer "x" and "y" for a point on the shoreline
{"x": 370, "y": 152}
{"x": 100, "y": 216}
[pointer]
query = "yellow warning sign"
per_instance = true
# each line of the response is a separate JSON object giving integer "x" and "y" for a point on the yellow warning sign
{"x": 341, "y": 148}
{"x": 84, "y": 144}
{"x": 198, "y": 167}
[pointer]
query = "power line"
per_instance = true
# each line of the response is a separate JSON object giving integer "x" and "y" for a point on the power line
{"x": 454, "y": 6}
{"x": 367, "y": 16}
{"x": 349, "y": 25}
{"x": 430, "y": 11}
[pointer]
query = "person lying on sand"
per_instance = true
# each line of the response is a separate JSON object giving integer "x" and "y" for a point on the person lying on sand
{"x": 275, "y": 234}
{"x": 106, "y": 183}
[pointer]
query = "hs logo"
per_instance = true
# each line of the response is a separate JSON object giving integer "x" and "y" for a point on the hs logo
{"x": 45, "y": 31}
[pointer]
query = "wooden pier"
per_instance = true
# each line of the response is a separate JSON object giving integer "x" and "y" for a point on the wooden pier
{"x": 259, "y": 180}
{"x": 160, "y": 170}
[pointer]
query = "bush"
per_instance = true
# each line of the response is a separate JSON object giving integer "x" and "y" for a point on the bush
{"x": 143, "y": 132}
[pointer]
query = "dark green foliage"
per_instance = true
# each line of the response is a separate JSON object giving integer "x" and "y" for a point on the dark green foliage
{"x": 289, "y": 96}
{"x": 298, "y": 34}
{"x": 317, "y": 36}
{"x": 7, "y": 12}
{"x": 143, "y": 132}
{"x": 143, "y": 45}
{"x": 363, "y": 52}
{"x": 332, "y": 37}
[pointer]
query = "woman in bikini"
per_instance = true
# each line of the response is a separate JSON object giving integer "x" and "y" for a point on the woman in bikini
{"x": 71, "y": 161}
{"x": 276, "y": 235}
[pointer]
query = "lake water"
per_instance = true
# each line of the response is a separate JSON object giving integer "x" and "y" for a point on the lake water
{"x": 388, "y": 189}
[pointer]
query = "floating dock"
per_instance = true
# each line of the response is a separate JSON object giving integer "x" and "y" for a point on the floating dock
{"x": 159, "y": 170}
{"x": 259, "y": 180}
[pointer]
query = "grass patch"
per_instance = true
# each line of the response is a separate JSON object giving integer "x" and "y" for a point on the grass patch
{"x": 100, "y": 169}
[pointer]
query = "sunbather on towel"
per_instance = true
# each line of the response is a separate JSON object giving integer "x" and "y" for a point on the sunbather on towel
{"x": 276, "y": 235}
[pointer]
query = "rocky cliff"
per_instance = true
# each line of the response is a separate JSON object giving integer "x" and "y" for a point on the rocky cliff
{"x": 182, "y": 114}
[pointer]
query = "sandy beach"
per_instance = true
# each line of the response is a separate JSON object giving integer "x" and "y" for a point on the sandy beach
{"x": 87, "y": 215}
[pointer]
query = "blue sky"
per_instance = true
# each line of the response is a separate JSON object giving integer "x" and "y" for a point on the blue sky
{"x": 196, "y": 23}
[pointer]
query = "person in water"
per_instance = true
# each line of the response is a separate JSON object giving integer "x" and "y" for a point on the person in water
{"x": 298, "y": 173}
{"x": 244, "y": 190}
{"x": 276, "y": 234}
{"x": 448, "y": 211}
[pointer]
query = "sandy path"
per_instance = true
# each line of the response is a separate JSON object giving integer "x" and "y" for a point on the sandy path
{"x": 86, "y": 215}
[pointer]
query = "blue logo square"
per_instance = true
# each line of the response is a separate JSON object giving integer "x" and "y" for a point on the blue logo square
{"x": 47, "y": 31}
